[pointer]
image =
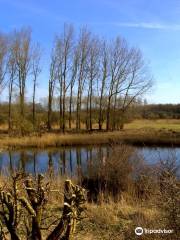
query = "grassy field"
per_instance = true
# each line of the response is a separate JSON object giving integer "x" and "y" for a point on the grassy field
{"x": 139, "y": 132}
{"x": 166, "y": 124}
{"x": 173, "y": 124}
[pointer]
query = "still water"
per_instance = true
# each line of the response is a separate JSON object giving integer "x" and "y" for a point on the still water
{"x": 71, "y": 161}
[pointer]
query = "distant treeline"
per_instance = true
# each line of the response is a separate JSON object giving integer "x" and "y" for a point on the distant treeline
{"x": 156, "y": 111}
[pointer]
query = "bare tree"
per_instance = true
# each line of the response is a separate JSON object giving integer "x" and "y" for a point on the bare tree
{"x": 36, "y": 70}
{"x": 136, "y": 81}
{"x": 93, "y": 74}
{"x": 64, "y": 48}
{"x": 102, "y": 82}
{"x": 83, "y": 48}
{"x": 3, "y": 60}
{"x": 122, "y": 57}
{"x": 115, "y": 59}
{"x": 128, "y": 79}
{"x": 52, "y": 81}
{"x": 72, "y": 81}
{"x": 12, "y": 70}
{"x": 22, "y": 53}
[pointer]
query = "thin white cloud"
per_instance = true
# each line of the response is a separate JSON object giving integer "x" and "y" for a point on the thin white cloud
{"x": 161, "y": 26}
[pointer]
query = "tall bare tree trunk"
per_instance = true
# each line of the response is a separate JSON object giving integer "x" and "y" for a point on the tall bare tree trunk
{"x": 108, "y": 112}
{"x": 50, "y": 97}
{"x": 35, "y": 72}
{"x": 9, "y": 106}
{"x": 22, "y": 51}
{"x": 104, "y": 69}
{"x": 83, "y": 51}
{"x": 70, "y": 106}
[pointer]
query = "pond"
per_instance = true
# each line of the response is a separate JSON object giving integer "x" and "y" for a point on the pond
{"x": 72, "y": 161}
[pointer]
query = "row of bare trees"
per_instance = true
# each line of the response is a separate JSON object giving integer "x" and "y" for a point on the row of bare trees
{"x": 102, "y": 78}
{"x": 19, "y": 60}
{"x": 88, "y": 76}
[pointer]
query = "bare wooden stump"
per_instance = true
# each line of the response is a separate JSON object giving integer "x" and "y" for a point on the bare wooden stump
{"x": 74, "y": 198}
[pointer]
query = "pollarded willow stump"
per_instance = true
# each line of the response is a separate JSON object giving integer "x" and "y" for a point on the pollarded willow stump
{"x": 37, "y": 198}
{"x": 74, "y": 199}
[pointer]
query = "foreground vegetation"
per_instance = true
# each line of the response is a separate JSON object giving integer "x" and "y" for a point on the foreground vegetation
{"x": 128, "y": 194}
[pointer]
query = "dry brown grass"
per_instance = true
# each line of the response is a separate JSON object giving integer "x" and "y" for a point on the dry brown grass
{"x": 113, "y": 220}
{"x": 148, "y": 132}
{"x": 107, "y": 220}
{"x": 55, "y": 140}
{"x": 141, "y": 136}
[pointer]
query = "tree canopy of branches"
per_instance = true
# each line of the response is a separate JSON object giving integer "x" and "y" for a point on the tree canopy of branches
{"x": 92, "y": 81}
{"x": 103, "y": 78}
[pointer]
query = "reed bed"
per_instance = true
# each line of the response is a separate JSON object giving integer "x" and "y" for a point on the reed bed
{"x": 136, "y": 137}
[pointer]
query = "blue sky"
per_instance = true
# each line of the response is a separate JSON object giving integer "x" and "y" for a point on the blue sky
{"x": 153, "y": 26}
